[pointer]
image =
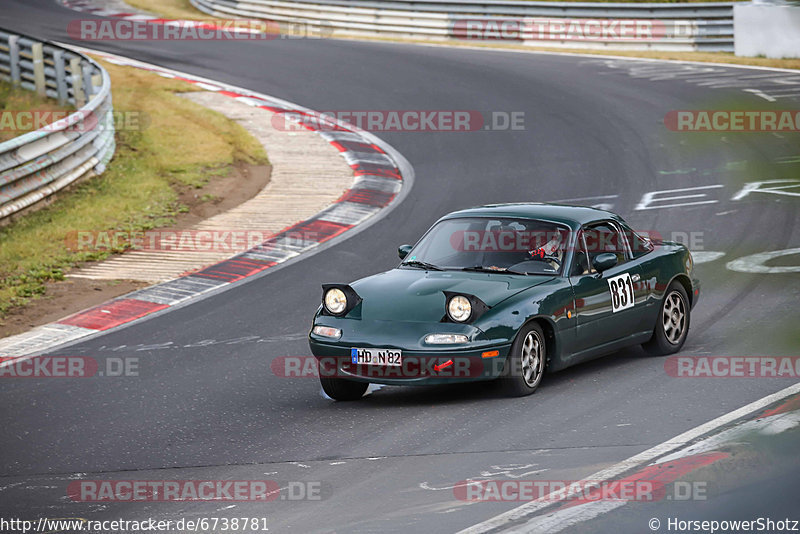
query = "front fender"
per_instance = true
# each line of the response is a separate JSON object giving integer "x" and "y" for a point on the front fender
{"x": 550, "y": 304}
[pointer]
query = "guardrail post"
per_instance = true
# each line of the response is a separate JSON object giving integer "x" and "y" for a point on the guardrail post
{"x": 77, "y": 82}
{"x": 13, "y": 56}
{"x": 38, "y": 69}
{"x": 88, "y": 86}
{"x": 61, "y": 77}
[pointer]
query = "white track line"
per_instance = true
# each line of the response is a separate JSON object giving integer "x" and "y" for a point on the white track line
{"x": 759, "y": 92}
{"x": 520, "y": 512}
{"x": 584, "y": 55}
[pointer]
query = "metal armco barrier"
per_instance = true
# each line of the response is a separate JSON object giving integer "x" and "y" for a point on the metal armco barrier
{"x": 631, "y": 26}
{"x": 36, "y": 164}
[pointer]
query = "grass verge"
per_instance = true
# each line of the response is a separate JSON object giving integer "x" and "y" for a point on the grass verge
{"x": 175, "y": 144}
{"x": 170, "y": 9}
{"x": 13, "y": 100}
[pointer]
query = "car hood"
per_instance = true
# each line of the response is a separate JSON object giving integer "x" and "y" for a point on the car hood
{"x": 417, "y": 295}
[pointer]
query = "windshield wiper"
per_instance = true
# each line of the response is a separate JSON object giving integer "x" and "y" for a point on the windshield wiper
{"x": 423, "y": 264}
{"x": 482, "y": 269}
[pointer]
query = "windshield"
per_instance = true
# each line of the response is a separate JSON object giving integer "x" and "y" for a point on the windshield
{"x": 520, "y": 246}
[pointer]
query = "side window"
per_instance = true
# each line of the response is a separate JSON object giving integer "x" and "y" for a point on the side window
{"x": 639, "y": 245}
{"x": 580, "y": 260}
{"x": 605, "y": 237}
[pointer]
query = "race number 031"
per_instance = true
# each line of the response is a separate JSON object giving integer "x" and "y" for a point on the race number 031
{"x": 621, "y": 288}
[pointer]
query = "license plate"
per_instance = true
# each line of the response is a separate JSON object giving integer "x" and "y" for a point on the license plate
{"x": 387, "y": 357}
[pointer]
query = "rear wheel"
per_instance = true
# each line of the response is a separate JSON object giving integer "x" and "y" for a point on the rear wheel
{"x": 672, "y": 323}
{"x": 525, "y": 363}
{"x": 340, "y": 389}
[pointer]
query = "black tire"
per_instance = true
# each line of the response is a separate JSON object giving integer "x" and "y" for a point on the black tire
{"x": 672, "y": 323}
{"x": 341, "y": 389}
{"x": 525, "y": 364}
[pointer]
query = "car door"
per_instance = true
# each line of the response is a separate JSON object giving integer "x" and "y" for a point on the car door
{"x": 605, "y": 303}
{"x": 648, "y": 291}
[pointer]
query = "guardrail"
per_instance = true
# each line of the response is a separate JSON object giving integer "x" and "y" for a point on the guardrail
{"x": 672, "y": 27}
{"x": 36, "y": 164}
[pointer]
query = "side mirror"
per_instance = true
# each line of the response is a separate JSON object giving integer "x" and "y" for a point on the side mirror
{"x": 403, "y": 250}
{"x": 603, "y": 262}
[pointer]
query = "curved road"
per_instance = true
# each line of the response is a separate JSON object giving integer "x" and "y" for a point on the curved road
{"x": 207, "y": 405}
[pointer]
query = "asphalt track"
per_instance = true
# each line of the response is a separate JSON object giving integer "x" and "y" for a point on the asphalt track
{"x": 206, "y": 404}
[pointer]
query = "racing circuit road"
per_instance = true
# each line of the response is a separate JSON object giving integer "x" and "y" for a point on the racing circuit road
{"x": 206, "y": 404}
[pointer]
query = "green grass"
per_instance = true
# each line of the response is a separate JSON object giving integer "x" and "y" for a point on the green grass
{"x": 182, "y": 145}
{"x": 171, "y": 9}
{"x": 12, "y": 100}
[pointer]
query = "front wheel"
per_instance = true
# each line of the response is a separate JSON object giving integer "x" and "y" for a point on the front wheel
{"x": 525, "y": 363}
{"x": 340, "y": 389}
{"x": 672, "y": 323}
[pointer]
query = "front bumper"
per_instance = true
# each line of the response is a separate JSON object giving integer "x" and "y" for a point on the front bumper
{"x": 422, "y": 364}
{"x": 418, "y": 368}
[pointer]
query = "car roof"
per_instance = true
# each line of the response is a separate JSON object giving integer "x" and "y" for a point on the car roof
{"x": 572, "y": 216}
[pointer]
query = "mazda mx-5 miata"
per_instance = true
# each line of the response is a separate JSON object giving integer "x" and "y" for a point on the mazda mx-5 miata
{"x": 504, "y": 291}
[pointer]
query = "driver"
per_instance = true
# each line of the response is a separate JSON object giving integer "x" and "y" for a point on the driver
{"x": 552, "y": 251}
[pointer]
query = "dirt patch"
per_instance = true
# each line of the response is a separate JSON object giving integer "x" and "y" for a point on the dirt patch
{"x": 221, "y": 194}
{"x": 72, "y": 295}
{"x": 62, "y": 299}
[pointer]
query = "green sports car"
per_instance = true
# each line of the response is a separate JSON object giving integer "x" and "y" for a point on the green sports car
{"x": 504, "y": 291}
